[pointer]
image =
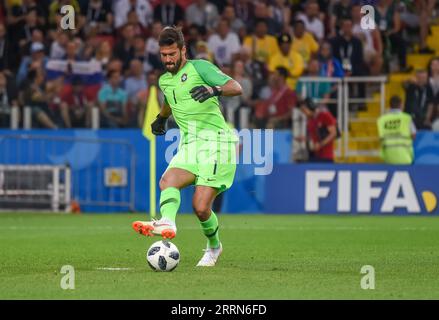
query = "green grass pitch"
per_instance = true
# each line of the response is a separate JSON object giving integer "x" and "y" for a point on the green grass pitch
{"x": 265, "y": 257}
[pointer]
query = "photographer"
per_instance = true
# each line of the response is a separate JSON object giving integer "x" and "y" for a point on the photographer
{"x": 321, "y": 131}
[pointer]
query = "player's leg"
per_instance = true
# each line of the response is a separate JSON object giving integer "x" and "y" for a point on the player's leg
{"x": 202, "y": 204}
{"x": 215, "y": 175}
{"x": 171, "y": 182}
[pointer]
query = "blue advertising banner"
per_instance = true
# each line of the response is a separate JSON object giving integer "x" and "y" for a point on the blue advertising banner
{"x": 355, "y": 188}
{"x": 266, "y": 183}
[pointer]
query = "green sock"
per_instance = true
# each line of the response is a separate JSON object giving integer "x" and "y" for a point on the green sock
{"x": 169, "y": 203}
{"x": 210, "y": 229}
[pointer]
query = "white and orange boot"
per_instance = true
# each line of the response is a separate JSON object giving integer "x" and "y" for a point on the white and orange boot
{"x": 163, "y": 227}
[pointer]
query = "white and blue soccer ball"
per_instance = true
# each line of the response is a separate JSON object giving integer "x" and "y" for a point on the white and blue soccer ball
{"x": 163, "y": 256}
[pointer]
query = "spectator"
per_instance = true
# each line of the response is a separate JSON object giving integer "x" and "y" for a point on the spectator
{"x": 317, "y": 91}
{"x": 256, "y": 71}
{"x": 113, "y": 102}
{"x": 103, "y": 54}
{"x": 75, "y": 108}
{"x": 18, "y": 14}
{"x": 114, "y": 65}
{"x": 203, "y": 52}
{"x": 88, "y": 51}
{"x": 224, "y": 44}
{"x": 235, "y": 23}
{"x": 388, "y": 20}
{"x": 311, "y": 19}
{"x": 321, "y": 131}
{"x": 416, "y": 15}
{"x": 287, "y": 58}
{"x": 416, "y": 93}
{"x": 261, "y": 12}
{"x": 34, "y": 96}
{"x": 8, "y": 99}
{"x": 136, "y": 81}
{"x": 192, "y": 38}
{"x": 279, "y": 16}
{"x": 330, "y": 67}
{"x": 340, "y": 11}
{"x": 244, "y": 10}
{"x": 140, "y": 54}
{"x": 275, "y": 112}
{"x": 139, "y": 29}
{"x": 169, "y": 13}
{"x": 124, "y": 50}
{"x": 37, "y": 60}
{"x": 235, "y": 103}
{"x": 396, "y": 131}
{"x": 72, "y": 52}
{"x": 371, "y": 40}
{"x": 59, "y": 46}
{"x": 152, "y": 49}
{"x": 262, "y": 46}
{"x": 26, "y": 34}
{"x": 37, "y": 36}
{"x": 143, "y": 9}
{"x": 202, "y": 13}
{"x": 5, "y": 50}
{"x": 303, "y": 42}
{"x": 349, "y": 50}
{"x": 433, "y": 93}
{"x": 134, "y": 84}
{"x": 98, "y": 16}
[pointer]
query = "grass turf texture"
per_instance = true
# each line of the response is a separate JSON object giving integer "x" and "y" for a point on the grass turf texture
{"x": 265, "y": 257}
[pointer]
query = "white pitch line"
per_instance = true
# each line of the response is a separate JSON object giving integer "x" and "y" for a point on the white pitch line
{"x": 114, "y": 269}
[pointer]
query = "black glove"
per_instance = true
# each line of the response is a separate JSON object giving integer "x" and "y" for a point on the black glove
{"x": 202, "y": 93}
{"x": 158, "y": 125}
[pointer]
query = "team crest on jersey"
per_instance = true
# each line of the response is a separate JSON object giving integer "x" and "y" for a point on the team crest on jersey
{"x": 184, "y": 77}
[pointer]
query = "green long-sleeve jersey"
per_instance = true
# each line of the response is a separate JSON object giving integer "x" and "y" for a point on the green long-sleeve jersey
{"x": 196, "y": 120}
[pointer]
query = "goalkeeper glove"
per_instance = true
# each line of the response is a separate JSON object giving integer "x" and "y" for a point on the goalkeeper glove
{"x": 158, "y": 125}
{"x": 202, "y": 93}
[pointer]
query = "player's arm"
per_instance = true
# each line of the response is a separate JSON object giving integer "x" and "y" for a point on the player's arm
{"x": 217, "y": 83}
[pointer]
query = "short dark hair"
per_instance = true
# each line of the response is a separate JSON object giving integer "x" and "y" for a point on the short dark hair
{"x": 395, "y": 102}
{"x": 283, "y": 71}
{"x": 171, "y": 35}
{"x": 297, "y": 22}
{"x": 261, "y": 20}
{"x": 112, "y": 72}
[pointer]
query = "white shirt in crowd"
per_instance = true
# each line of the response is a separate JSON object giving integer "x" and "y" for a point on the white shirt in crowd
{"x": 57, "y": 51}
{"x": 315, "y": 26}
{"x": 121, "y": 8}
{"x": 202, "y": 16}
{"x": 224, "y": 49}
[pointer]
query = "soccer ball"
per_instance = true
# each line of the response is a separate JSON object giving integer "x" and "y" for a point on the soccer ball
{"x": 163, "y": 256}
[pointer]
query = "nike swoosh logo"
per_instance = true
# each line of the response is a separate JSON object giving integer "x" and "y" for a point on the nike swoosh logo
{"x": 161, "y": 224}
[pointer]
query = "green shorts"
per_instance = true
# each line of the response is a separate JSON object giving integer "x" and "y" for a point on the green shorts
{"x": 213, "y": 163}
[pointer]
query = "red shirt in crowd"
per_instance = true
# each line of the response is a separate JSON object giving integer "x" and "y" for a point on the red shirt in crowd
{"x": 317, "y": 127}
{"x": 281, "y": 102}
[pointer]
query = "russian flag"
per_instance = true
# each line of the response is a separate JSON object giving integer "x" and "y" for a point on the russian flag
{"x": 90, "y": 73}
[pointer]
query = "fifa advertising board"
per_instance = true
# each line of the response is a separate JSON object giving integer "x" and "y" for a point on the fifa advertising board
{"x": 356, "y": 189}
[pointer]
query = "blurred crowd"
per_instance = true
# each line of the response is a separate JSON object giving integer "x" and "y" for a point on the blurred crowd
{"x": 112, "y": 56}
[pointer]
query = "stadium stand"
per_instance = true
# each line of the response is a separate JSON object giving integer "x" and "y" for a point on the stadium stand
{"x": 40, "y": 62}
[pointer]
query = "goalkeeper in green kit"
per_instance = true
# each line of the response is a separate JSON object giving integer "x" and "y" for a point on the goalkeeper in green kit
{"x": 206, "y": 154}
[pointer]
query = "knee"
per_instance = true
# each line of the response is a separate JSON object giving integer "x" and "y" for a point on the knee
{"x": 164, "y": 183}
{"x": 202, "y": 210}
